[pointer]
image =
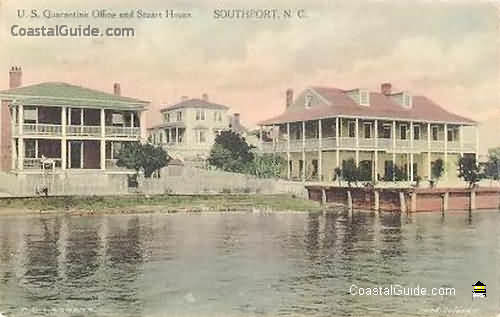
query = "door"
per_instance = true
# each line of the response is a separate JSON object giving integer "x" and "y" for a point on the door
{"x": 75, "y": 154}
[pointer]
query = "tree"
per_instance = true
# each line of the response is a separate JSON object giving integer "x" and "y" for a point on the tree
{"x": 231, "y": 152}
{"x": 437, "y": 170}
{"x": 469, "y": 170}
{"x": 492, "y": 166}
{"x": 350, "y": 172}
{"x": 266, "y": 165}
{"x": 337, "y": 174}
{"x": 145, "y": 157}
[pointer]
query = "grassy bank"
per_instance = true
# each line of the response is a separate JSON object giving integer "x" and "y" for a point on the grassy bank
{"x": 160, "y": 203}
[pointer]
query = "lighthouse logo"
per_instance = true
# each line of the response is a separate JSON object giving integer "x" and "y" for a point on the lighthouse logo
{"x": 478, "y": 290}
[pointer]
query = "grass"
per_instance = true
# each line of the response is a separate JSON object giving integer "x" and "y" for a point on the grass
{"x": 140, "y": 203}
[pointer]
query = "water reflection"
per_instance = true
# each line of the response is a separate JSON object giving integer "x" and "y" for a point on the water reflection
{"x": 240, "y": 264}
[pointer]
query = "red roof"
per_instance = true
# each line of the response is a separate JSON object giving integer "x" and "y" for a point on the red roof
{"x": 381, "y": 107}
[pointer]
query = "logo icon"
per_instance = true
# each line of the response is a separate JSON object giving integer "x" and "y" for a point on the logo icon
{"x": 478, "y": 290}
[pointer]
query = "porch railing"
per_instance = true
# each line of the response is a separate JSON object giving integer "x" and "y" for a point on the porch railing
{"x": 126, "y": 132}
{"x": 36, "y": 163}
{"x": 41, "y": 129}
{"x": 83, "y": 130}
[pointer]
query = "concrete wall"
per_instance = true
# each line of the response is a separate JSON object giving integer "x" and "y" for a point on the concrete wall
{"x": 187, "y": 180}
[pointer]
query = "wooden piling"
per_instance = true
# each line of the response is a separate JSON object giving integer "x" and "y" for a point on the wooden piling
{"x": 349, "y": 202}
{"x": 402, "y": 201}
{"x": 376, "y": 200}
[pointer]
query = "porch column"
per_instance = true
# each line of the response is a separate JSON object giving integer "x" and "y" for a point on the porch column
{"x": 393, "y": 150}
{"x": 176, "y": 135}
{"x": 20, "y": 142}
{"x": 13, "y": 139}
{"x": 357, "y": 142}
{"x": 275, "y": 139}
{"x": 260, "y": 137}
{"x": 142, "y": 125}
{"x": 429, "y": 150}
{"x": 132, "y": 119}
{"x": 375, "y": 171}
{"x": 337, "y": 142}
{"x": 446, "y": 151}
{"x": 103, "y": 138}
{"x": 81, "y": 154}
{"x": 320, "y": 155}
{"x": 304, "y": 151}
{"x": 412, "y": 136}
{"x": 64, "y": 152}
{"x": 288, "y": 150}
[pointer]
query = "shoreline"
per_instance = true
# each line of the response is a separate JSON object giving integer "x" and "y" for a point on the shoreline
{"x": 165, "y": 204}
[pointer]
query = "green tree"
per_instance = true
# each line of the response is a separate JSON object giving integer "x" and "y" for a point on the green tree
{"x": 350, "y": 172}
{"x": 231, "y": 152}
{"x": 492, "y": 166}
{"x": 142, "y": 157}
{"x": 469, "y": 170}
{"x": 266, "y": 165}
{"x": 437, "y": 170}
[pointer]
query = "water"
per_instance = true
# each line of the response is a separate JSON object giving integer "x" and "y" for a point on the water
{"x": 246, "y": 264}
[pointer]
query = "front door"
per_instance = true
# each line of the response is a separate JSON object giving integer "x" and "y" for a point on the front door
{"x": 75, "y": 152}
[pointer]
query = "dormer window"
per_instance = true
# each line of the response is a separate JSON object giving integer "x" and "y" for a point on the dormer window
{"x": 308, "y": 102}
{"x": 407, "y": 100}
{"x": 364, "y": 98}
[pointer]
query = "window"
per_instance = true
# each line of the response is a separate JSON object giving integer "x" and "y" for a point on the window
{"x": 403, "y": 131}
{"x": 30, "y": 115}
{"x": 308, "y": 103}
{"x": 217, "y": 116}
{"x": 368, "y": 130}
{"x": 435, "y": 133}
{"x": 201, "y": 136}
{"x": 416, "y": 132}
{"x": 166, "y": 116}
{"x": 179, "y": 115}
{"x": 407, "y": 100}
{"x": 200, "y": 115}
{"x": 161, "y": 137}
{"x": 352, "y": 129}
{"x": 450, "y": 135}
{"x": 386, "y": 132}
{"x": 364, "y": 98}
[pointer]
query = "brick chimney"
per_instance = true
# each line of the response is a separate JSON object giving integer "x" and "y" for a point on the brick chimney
{"x": 117, "y": 89}
{"x": 289, "y": 97}
{"x": 204, "y": 97}
{"x": 386, "y": 88}
{"x": 236, "y": 118}
{"x": 15, "y": 77}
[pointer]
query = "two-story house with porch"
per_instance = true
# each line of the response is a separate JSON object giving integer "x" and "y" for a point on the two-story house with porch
{"x": 325, "y": 126}
{"x": 67, "y": 127}
{"x": 189, "y": 127}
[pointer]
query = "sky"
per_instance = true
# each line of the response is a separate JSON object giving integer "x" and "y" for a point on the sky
{"x": 446, "y": 50}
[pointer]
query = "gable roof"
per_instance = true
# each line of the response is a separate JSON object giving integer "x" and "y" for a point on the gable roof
{"x": 195, "y": 103}
{"x": 381, "y": 107}
{"x": 58, "y": 93}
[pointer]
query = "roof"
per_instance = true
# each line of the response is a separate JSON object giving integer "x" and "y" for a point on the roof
{"x": 381, "y": 107}
{"x": 237, "y": 126}
{"x": 57, "y": 93}
{"x": 195, "y": 103}
{"x": 173, "y": 124}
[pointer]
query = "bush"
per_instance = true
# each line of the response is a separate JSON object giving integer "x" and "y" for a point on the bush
{"x": 469, "y": 170}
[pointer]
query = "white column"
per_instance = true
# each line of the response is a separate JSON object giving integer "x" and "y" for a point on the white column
{"x": 375, "y": 167}
{"x": 20, "y": 142}
{"x": 64, "y": 154}
{"x": 275, "y": 139}
{"x": 36, "y": 148}
{"x": 132, "y": 119}
{"x": 288, "y": 150}
{"x": 142, "y": 126}
{"x": 429, "y": 150}
{"x": 357, "y": 141}
{"x": 446, "y": 151}
{"x": 337, "y": 142}
{"x": 176, "y": 135}
{"x": 412, "y": 137}
{"x": 81, "y": 154}
{"x": 103, "y": 138}
{"x": 69, "y": 154}
{"x": 320, "y": 154}
{"x": 304, "y": 151}
{"x": 260, "y": 137}
{"x": 13, "y": 139}
{"x": 394, "y": 149}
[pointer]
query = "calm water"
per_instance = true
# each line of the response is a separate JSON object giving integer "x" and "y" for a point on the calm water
{"x": 246, "y": 264}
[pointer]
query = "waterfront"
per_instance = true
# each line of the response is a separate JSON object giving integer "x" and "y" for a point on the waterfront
{"x": 246, "y": 264}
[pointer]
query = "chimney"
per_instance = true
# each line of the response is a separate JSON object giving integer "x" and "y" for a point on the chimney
{"x": 117, "y": 89}
{"x": 204, "y": 97}
{"x": 15, "y": 77}
{"x": 236, "y": 118}
{"x": 289, "y": 97}
{"x": 184, "y": 98}
{"x": 385, "y": 89}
